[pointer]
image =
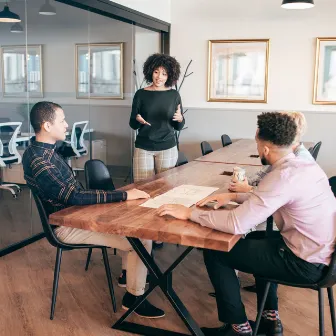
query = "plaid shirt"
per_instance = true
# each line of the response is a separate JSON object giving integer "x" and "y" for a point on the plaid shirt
{"x": 48, "y": 175}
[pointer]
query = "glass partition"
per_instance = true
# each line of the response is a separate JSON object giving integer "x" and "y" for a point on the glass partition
{"x": 84, "y": 62}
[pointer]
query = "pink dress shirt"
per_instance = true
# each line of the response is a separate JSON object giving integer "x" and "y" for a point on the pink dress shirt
{"x": 297, "y": 193}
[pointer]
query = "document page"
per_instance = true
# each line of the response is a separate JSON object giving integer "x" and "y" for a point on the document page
{"x": 185, "y": 194}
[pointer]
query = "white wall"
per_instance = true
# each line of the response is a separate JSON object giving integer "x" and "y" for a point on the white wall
{"x": 160, "y": 9}
{"x": 292, "y": 50}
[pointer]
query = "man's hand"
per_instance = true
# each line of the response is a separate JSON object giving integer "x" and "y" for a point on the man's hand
{"x": 176, "y": 210}
{"x": 240, "y": 186}
{"x": 221, "y": 199}
{"x": 134, "y": 194}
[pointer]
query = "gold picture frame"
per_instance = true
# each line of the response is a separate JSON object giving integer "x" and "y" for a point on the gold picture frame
{"x": 99, "y": 70}
{"x": 324, "y": 92}
{"x": 238, "y": 70}
{"x": 22, "y": 71}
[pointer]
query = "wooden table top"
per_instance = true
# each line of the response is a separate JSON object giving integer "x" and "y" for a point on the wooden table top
{"x": 238, "y": 153}
{"x": 129, "y": 219}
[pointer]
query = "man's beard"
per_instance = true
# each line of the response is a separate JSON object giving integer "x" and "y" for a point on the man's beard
{"x": 264, "y": 162}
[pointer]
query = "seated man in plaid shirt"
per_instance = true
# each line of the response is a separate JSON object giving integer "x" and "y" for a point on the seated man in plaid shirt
{"x": 50, "y": 177}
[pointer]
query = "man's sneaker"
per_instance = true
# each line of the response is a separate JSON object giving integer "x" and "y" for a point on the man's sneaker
{"x": 122, "y": 279}
{"x": 270, "y": 328}
{"x": 146, "y": 309}
{"x": 225, "y": 330}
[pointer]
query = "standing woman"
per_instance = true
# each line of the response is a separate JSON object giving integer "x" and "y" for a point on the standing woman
{"x": 156, "y": 113}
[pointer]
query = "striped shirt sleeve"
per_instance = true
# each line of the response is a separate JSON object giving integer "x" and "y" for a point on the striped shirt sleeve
{"x": 51, "y": 182}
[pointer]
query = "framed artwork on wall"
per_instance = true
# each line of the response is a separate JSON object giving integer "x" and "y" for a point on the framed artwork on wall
{"x": 325, "y": 71}
{"x": 21, "y": 69}
{"x": 238, "y": 71}
{"x": 99, "y": 71}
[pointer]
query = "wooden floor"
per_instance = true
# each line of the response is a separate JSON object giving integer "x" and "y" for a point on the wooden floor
{"x": 15, "y": 225}
{"x": 84, "y": 308}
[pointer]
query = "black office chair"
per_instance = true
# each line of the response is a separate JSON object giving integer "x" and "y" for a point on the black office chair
{"x": 206, "y": 148}
{"x": 226, "y": 140}
{"x": 332, "y": 182}
{"x": 97, "y": 176}
{"x": 315, "y": 150}
{"x": 182, "y": 159}
{"x": 54, "y": 241}
{"x": 328, "y": 282}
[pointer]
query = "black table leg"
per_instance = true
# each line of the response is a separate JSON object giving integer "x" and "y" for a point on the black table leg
{"x": 164, "y": 281}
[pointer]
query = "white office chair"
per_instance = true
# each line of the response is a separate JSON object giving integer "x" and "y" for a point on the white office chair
{"x": 77, "y": 141}
{"x": 8, "y": 151}
{"x": 77, "y": 138}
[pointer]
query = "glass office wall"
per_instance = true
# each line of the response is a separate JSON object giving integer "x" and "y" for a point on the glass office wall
{"x": 82, "y": 61}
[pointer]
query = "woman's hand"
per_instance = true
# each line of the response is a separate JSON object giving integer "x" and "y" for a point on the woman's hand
{"x": 240, "y": 186}
{"x": 178, "y": 115}
{"x": 142, "y": 120}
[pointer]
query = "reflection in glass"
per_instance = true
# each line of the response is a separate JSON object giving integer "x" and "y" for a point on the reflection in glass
{"x": 99, "y": 71}
{"x": 22, "y": 71}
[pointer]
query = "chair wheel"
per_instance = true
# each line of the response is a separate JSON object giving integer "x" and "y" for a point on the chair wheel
{"x": 14, "y": 196}
{"x": 19, "y": 190}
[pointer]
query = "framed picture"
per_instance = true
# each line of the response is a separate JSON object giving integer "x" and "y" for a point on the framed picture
{"x": 99, "y": 71}
{"x": 325, "y": 71}
{"x": 21, "y": 68}
{"x": 238, "y": 71}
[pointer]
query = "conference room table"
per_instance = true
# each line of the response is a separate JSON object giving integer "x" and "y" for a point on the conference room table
{"x": 240, "y": 152}
{"x": 136, "y": 222}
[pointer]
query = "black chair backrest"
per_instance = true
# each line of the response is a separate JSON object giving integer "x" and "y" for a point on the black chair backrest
{"x": 78, "y": 132}
{"x": 206, "y": 148}
{"x": 332, "y": 182}
{"x": 65, "y": 150}
{"x": 330, "y": 278}
{"x": 315, "y": 150}
{"x": 48, "y": 229}
{"x": 97, "y": 176}
{"x": 181, "y": 159}
{"x": 226, "y": 140}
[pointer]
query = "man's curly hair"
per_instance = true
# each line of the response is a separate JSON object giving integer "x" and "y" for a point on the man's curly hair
{"x": 277, "y": 128}
{"x": 169, "y": 63}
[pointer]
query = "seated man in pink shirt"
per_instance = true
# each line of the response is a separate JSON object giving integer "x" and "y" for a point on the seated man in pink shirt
{"x": 297, "y": 193}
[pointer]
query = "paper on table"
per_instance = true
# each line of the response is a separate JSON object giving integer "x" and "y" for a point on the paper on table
{"x": 185, "y": 194}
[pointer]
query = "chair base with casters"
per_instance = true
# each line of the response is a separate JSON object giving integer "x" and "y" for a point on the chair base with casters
{"x": 320, "y": 300}
{"x": 9, "y": 187}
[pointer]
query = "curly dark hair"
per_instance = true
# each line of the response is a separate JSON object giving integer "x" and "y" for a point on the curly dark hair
{"x": 277, "y": 128}
{"x": 169, "y": 63}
